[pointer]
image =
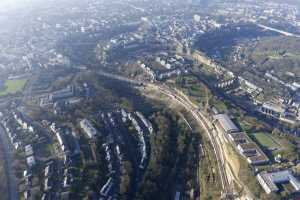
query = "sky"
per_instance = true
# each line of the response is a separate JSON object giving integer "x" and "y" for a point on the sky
{"x": 12, "y": 3}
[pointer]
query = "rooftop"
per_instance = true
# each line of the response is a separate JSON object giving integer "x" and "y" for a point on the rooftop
{"x": 226, "y": 123}
{"x": 274, "y": 107}
{"x": 269, "y": 180}
{"x": 239, "y": 138}
{"x": 248, "y": 146}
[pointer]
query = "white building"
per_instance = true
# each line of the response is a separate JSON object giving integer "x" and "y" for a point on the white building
{"x": 224, "y": 123}
{"x": 268, "y": 181}
{"x": 88, "y": 128}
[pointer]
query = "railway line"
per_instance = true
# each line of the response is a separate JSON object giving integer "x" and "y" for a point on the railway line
{"x": 208, "y": 128}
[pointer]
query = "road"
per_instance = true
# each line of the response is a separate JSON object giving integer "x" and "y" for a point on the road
{"x": 206, "y": 124}
{"x": 7, "y": 154}
{"x": 285, "y": 33}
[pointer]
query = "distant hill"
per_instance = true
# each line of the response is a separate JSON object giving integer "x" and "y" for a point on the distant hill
{"x": 280, "y": 54}
{"x": 220, "y": 42}
{"x": 205, "y": 3}
{"x": 292, "y": 2}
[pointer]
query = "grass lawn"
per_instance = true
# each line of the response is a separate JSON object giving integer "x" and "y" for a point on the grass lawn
{"x": 265, "y": 140}
{"x": 13, "y": 86}
{"x": 288, "y": 150}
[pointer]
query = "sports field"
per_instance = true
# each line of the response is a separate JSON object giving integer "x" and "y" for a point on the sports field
{"x": 266, "y": 140}
{"x": 13, "y": 86}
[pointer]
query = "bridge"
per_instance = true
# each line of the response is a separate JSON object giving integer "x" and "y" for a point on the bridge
{"x": 285, "y": 33}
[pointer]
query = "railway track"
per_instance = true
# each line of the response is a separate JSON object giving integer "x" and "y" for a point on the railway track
{"x": 206, "y": 125}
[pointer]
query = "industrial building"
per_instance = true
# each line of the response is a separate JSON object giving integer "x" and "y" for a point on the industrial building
{"x": 269, "y": 181}
{"x": 224, "y": 123}
{"x": 244, "y": 145}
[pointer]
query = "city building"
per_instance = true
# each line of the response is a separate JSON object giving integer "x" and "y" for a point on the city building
{"x": 62, "y": 94}
{"x": 272, "y": 109}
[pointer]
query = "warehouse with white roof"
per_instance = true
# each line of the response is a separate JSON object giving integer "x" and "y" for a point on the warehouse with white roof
{"x": 268, "y": 181}
{"x": 225, "y": 124}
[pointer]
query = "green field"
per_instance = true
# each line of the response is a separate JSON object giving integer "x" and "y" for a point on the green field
{"x": 265, "y": 140}
{"x": 13, "y": 86}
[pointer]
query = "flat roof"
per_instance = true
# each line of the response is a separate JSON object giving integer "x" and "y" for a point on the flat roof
{"x": 268, "y": 181}
{"x": 239, "y": 136}
{"x": 273, "y": 106}
{"x": 258, "y": 158}
{"x": 248, "y": 146}
{"x": 273, "y": 178}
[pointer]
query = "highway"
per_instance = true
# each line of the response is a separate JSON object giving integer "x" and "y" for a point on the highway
{"x": 208, "y": 128}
